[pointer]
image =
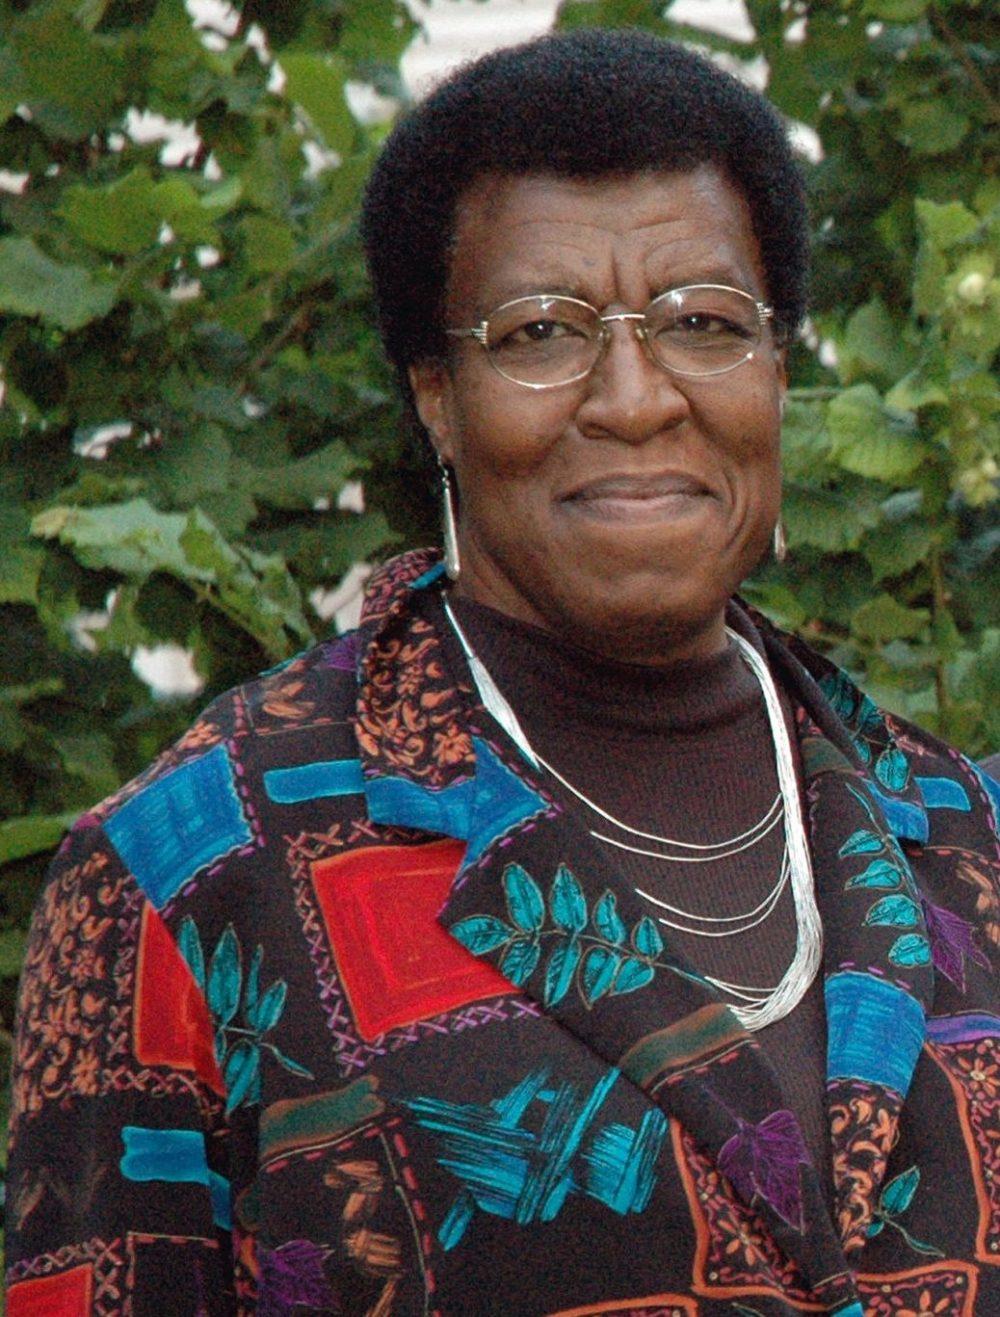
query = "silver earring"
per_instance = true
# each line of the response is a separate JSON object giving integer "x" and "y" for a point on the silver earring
{"x": 452, "y": 563}
{"x": 780, "y": 543}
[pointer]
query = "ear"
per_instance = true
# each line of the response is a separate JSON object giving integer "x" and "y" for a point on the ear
{"x": 431, "y": 387}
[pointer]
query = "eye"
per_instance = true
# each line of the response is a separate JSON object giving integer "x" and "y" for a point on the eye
{"x": 708, "y": 325}
{"x": 540, "y": 331}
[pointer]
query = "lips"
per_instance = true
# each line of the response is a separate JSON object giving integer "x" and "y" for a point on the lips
{"x": 638, "y": 498}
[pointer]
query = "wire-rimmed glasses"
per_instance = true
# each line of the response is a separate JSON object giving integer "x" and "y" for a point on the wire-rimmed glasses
{"x": 547, "y": 340}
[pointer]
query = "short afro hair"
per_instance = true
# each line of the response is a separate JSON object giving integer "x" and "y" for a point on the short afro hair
{"x": 584, "y": 104}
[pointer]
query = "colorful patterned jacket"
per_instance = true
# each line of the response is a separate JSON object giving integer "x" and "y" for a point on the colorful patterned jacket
{"x": 336, "y": 1010}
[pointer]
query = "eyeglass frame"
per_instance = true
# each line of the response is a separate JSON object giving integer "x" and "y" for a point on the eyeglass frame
{"x": 765, "y": 316}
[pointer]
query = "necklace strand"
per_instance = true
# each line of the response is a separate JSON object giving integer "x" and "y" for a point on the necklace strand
{"x": 765, "y": 1004}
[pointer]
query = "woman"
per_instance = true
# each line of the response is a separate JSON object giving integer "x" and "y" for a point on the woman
{"x": 566, "y": 940}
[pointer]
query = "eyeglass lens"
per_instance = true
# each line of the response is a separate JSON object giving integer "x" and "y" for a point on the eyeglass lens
{"x": 698, "y": 330}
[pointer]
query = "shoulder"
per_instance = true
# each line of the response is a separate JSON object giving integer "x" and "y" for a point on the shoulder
{"x": 202, "y": 801}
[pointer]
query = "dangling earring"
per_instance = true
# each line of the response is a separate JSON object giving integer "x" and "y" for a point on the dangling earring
{"x": 452, "y": 563}
{"x": 780, "y": 543}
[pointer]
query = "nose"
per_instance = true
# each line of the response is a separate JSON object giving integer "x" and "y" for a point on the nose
{"x": 629, "y": 397}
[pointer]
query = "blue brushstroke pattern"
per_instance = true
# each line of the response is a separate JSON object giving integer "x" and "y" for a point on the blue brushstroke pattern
{"x": 903, "y": 817}
{"x": 174, "y": 1157}
{"x": 527, "y": 1175}
{"x": 480, "y": 809}
{"x": 943, "y": 793}
{"x": 874, "y": 1031}
{"x": 325, "y": 777}
{"x": 186, "y": 820}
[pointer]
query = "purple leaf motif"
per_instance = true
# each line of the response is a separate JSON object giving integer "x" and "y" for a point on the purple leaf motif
{"x": 763, "y": 1161}
{"x": 292, "y": 1274}
{"x": 343, "y": 653}
{"x": 951, "y": 943}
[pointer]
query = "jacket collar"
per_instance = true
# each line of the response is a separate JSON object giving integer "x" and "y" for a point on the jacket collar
{"x": 536, "y": 898}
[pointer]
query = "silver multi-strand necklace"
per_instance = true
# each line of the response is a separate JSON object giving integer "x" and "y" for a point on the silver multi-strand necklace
{"x": 755, "y": 1006}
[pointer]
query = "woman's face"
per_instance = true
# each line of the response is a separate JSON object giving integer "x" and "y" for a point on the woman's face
{"x": 623, "y": 510}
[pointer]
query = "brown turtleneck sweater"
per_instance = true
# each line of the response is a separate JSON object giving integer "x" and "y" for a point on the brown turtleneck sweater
{"x": 683, "y": 751}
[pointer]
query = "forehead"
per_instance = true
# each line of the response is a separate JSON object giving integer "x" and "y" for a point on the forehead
{"x": 607, "y": 239}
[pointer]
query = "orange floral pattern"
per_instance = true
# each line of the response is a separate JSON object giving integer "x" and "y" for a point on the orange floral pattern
{"x": 863, "y": 1124}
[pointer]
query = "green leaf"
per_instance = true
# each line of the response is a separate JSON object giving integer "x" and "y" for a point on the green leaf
{"x": 520, "y": 960}
{"x": 322, "y": 474}
{"x": 251, "y": 992}
{"x": 599, "y": 969}
{"x": 946, "y": 224}
{"x": 910, "y": 950}
{"x": 559, "y": 971}
{"x": 32, "y": 834}
{"x": 882, "y": 619}
{"x": 525, "y": 902}
{"x": 880, "y": 873}
{"x": 894, "y": 911}
{"x": 646, "y": 938}
{"x": 892, "y": 769}
{"x": 286, "y": 1062}
{"x": 869, "y": 440}
{"x": 189, "y": 945}
{"x": 607, "y": 921}
{"x": 13, "y": 944}
{"x": 316, "y": 83}
{"x": 268, "y": 246}
{"x": 19, "y": 580}
{"x": 32, "y": 284}
{"x": 898, "y": 1193}
{"x": 633, "y": 975}
{"x": 122, "y": 217}
{"x": 860, "y": 843}
{"x": 566, "y": 902}
{"x": 932, "y": 127}
{"x": 873, "y": 344}
{"x": 240, "y": 1072}
{"x": 225, "y": 976}
{"x": 269, "y": 1008}
{"x": 481, "y": 933}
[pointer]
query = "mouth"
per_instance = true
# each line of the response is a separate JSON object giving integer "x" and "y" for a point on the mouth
{"x": 638, "y": 498}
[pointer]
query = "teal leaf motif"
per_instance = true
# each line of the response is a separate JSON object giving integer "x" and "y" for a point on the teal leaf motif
{"x": 646, "y": 938}
{"x": 607, "y": 921}
{"x": 892, "y": 769}
{"x": 225, "y": 976}
{"x": 599, "y": 969}
{"x": 524, "y": 899}
{"x": 520, "y": 960}
{"x": 241, "y": 1073}
{"x": 251, "y": 993}
{"x": 189, "y": 945}
{"x": 909, "y": 950}
{"x": 895, "y": 912}
{"x": 898, "y": 1193}
{"x": 481, "y": 933}
{"x": 560, "y": 970}
{"x": 567, "y": 903}
{"x": 880, "y": 873}
{"x": 292, "y": 1066}
{"x": 268, "y": 1011}
{"x": 634, "y": 974}
{"x": 861, "y": 842}
{"x": 893, "y": 1201}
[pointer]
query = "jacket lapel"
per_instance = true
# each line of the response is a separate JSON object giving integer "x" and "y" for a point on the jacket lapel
{"x": 536, "y": 898}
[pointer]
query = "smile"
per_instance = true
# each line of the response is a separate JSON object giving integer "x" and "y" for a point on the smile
{"x": 638, "y": 498}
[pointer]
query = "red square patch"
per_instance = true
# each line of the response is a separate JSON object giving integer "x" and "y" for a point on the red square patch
{"x": 66, "y": 1295}
{"x": 397, "y": 963}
